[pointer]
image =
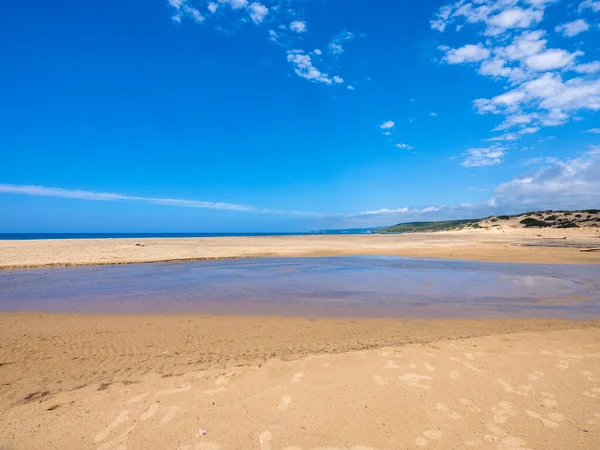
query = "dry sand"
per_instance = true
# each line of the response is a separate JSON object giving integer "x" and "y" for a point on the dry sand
{"x": 154, "y": 382}
{"x": 496, "y": 244}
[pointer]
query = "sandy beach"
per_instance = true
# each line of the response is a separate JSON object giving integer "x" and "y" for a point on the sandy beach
{"x": 499, "y": 244}
{"x": 220, "y": 382}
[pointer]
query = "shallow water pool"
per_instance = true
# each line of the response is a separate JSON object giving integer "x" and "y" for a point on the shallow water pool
{"x": 334, "y": 286}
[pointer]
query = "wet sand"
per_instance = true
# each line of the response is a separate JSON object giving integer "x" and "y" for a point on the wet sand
{"x": 154, "y": 382}
{"x": 499, "y": 244}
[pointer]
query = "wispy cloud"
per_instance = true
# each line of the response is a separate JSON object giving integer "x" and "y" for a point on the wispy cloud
{"x": 480, "y": 157}
{"x": 43, "y": 191}
{"x": 304, "y": 68}
{"x": 336, "y": 46}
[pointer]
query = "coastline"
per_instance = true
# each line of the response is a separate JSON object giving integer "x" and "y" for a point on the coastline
{"x": 512, "y": 245}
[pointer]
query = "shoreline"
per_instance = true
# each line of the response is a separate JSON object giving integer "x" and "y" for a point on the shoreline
{"x": 523, "y": 246}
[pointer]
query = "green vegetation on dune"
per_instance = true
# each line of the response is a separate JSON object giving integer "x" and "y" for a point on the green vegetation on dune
{"x": 535, "y": 219}
{"x": 413, "y": 227}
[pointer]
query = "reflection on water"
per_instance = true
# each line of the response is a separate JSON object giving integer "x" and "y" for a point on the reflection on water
{"x": 337, "y": 286}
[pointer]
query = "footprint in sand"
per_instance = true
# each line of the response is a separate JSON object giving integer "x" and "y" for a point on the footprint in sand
{"x": 413, "y": 379}
{"x": 297, "y": 377}
{"x": 503, "y": 412}
{"x": 549, "y": 401}
{"x": 203, "y": 446}
{"x": 593, "y": 393}
{"x": 550, "y": 422}
{"x": 116, "y": 444}
{"x": 265, "y": 440}
{"x": 522, "y": 389}
{"x": 429, "y": 435}
{"x": 138, "y": 398}
{"x": 171, "y": 410}
{"x": 391, "y": 365}
{"x": 212, "y": 392}
{"x": 177, "y": 390}
{"x": 499, "y": 438}
{"x": 535, "y": 376}
{"x": 589, "y": 376}
{"x": 284, "y": 403}
{"x": 378, "y": 380}
{"x": 149, "y": 413}
{"x": 429, "y": 367}
{"x": 443, "y": 408}
{"x": 466, "y": 364}
{"x": 470, "y": 405}
{"x": 121, "y": 418}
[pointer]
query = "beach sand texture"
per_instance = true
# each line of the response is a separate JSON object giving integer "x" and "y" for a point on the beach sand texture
{"x": 497, "y": 244}
{"x": 137, "y": 382}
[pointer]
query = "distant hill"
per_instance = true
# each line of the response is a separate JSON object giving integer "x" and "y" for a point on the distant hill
{"x": 415, "y": 227}
{"x": 536, "y": 219}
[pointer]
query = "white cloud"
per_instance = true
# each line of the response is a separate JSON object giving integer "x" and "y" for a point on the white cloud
{"x": 351, "y": 88}
{"x": 504, "y": 137}
{"x": 467, "y": 53}
{"x": 212, "y": 7}
{"x": 235, "y": 4}
{"x": 257, "y": 12}
{"x": 513, "y": 18}
{"x": 591, "y": 67}
{"x": 573, "y": 183}
{"x": 184, "y": 9}
{"x": 432, "y": 114}
{"x": 569, "y": 184}
{"x": 317, "y": 52}
{"x": 336, "y": 49}
{"x": 304, "y": 68}
{"x": 106, "y": 196}
{"x": 479, "y": 157}
{"x": 573, "y": 28}
{"x": 591, "y": 4}
{"x": 529, "y": 130}
{"x": 335, "y": 46}
{"x": 387, "y": 125}
{"x": 594, "y": 130}
{"x": 540, "y": 160}
{"x": 299, "y": 26}
{"x": 404, "y": 146}
{"x": 552, "y": 59}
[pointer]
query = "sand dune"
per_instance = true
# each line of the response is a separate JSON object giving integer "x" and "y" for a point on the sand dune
{"x": 497, "y": 244}
{"x": 536, "y": 389}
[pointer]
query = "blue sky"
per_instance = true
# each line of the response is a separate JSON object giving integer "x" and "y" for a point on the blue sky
{"x": 291, "y": 115}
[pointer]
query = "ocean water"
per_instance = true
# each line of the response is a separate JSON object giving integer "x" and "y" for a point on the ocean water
{"x": 322, "y": 287}
{"x": 37, "y": 236}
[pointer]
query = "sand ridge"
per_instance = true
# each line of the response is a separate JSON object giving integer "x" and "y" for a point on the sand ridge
{"x": 496, "y": 244}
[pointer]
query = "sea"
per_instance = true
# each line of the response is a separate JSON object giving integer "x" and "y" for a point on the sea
{"x": 38, "y": 236}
